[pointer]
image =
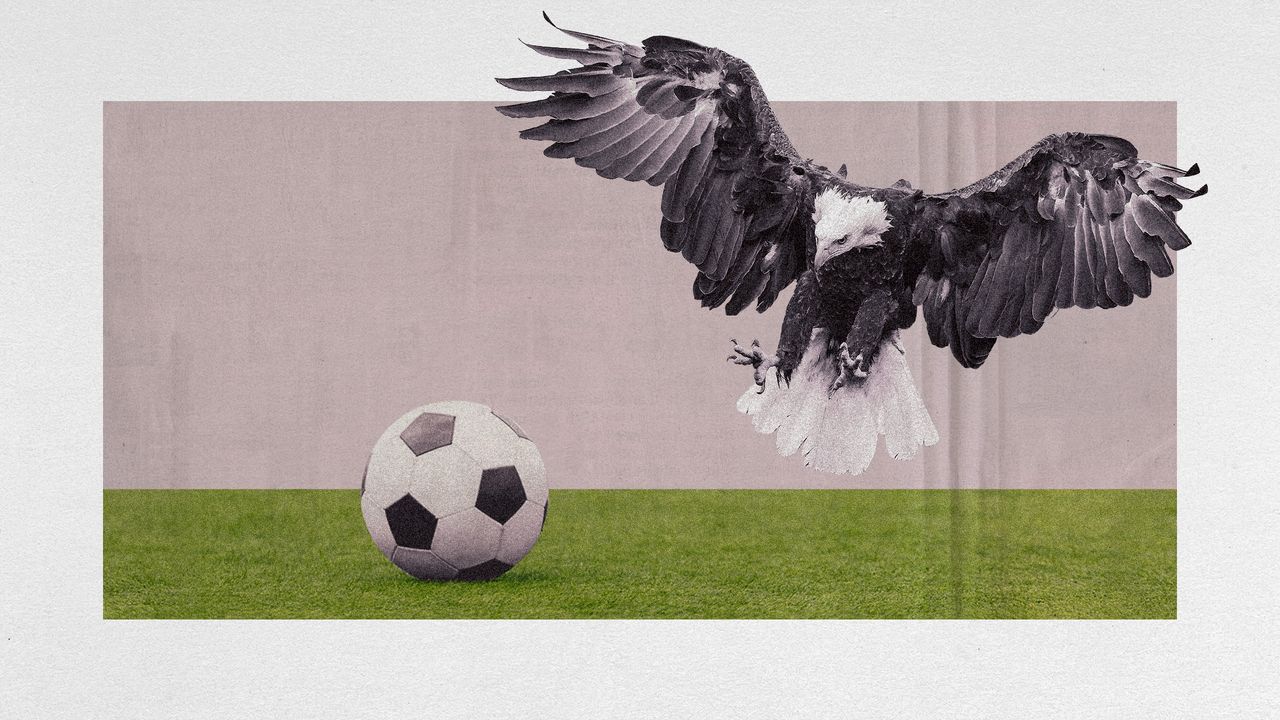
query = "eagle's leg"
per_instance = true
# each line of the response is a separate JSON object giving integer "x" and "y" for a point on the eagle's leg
{"x": 797, "y": 326}
{"x": 858, "y": 351}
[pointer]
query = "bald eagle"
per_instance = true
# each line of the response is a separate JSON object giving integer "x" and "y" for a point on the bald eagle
{"x": 1077, "y": 220}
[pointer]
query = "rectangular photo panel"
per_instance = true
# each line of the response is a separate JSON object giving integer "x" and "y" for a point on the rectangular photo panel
{"x": 355, "y": 349}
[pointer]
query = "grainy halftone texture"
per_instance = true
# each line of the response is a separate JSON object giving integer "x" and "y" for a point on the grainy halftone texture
{"x": 283, "y": 279}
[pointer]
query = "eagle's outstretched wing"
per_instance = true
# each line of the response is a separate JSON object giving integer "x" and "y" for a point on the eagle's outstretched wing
{"x": 1076, "y": 221}
{"x": 736, "y": 199}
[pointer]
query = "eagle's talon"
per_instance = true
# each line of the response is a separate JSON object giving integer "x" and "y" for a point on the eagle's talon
{"x": 859, "y": 367}
{"x": 754, "y": 357}
{"x": 848, "y": 366}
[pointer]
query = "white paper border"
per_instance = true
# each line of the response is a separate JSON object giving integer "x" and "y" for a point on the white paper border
{"x": 62, "y": 60}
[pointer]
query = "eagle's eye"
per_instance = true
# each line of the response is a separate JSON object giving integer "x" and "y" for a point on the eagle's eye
{"x": 843, "y": 240}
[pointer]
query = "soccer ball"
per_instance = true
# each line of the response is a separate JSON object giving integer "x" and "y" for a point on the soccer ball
{"x": 454, "y": 490}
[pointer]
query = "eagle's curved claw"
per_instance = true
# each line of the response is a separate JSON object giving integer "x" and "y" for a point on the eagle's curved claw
{"x": 754, "y": 357}
{"x": 849, "y": 367}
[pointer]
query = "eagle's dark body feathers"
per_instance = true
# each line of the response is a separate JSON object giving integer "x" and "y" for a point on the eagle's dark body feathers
{"x": 841, "y": 286}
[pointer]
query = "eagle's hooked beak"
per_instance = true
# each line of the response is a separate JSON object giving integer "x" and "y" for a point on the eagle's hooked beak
{"x": 821, "y": 257}
{"x": 827, "y": 250}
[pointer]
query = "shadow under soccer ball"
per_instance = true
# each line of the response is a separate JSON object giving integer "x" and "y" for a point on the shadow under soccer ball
{"x": 454, "y": 491}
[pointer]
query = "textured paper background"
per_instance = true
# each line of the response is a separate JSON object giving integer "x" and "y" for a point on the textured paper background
{"x": 61, "y": 658}
{"x": 283, "y": 280}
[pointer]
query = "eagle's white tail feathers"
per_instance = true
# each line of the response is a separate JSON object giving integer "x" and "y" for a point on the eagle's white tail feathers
{"x": 839, "y": 434}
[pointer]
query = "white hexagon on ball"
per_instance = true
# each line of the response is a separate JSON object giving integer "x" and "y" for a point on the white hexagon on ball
{"x": 457, "y": 408}
{"x": 532, "y": 472}
{"x": 520, "y": 533}
{"x": 467, "y": 539}
{"x": 392, "y": 461}
{"x": 445, "y": 481}
{"x": 423, "y": 564}
{"x": 375, "y": 519}
{"x": 486, "y": 438}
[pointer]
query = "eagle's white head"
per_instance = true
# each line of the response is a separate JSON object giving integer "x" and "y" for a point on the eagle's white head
{"x": 843, "y": 222}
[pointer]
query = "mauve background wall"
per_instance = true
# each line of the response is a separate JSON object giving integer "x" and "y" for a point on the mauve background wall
{"x": 284, "y": 279}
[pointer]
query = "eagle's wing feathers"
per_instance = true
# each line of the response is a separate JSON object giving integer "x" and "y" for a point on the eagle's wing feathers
{"x": 695, "y": 120}
{"x": 1076, "y": 221}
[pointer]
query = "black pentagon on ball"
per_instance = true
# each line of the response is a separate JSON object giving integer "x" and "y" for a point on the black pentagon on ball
{"x": 486, "y": 570}
{"x": 427, "y": 432}
{"x": 501, "y": 493}
{"x": 412, "y": 525}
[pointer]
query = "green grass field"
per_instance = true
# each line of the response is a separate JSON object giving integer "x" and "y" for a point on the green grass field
{"x": 661, "y": 554}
